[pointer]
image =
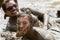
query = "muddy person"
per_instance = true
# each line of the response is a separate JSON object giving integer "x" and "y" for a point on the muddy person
{"x": 25, "y": 28}
{"x": 10, "y": 8}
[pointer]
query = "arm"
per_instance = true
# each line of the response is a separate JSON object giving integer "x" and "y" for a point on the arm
{"x": 34, "y": 12}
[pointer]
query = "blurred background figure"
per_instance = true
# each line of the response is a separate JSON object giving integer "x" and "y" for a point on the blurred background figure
{"x": 10, "y": 8}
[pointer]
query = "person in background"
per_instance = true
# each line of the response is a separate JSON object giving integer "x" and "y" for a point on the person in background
{"x": 10, "y": 8}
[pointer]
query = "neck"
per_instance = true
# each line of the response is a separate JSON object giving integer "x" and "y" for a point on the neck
{"x": 13, "y": 20}
{"x": 13, "y": 16}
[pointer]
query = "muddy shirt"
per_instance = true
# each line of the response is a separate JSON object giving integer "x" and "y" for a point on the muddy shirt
{"x": 34, "y": 36}
{"x": 11, "y": 25}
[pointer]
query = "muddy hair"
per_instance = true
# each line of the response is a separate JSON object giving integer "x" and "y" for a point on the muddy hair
{"x": 28, "y": 15}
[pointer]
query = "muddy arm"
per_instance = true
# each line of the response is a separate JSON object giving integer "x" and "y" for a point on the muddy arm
{"x": 35, "y": 12}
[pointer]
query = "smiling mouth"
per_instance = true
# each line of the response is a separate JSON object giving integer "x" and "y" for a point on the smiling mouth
{"x": 14, "y": 13}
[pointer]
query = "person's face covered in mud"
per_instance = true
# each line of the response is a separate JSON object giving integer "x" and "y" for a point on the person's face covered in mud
{"x": 10, "y": 8}
{"x": 23, "y": 24}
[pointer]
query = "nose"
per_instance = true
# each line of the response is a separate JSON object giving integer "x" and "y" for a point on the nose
{"x": 21, "y": 25}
